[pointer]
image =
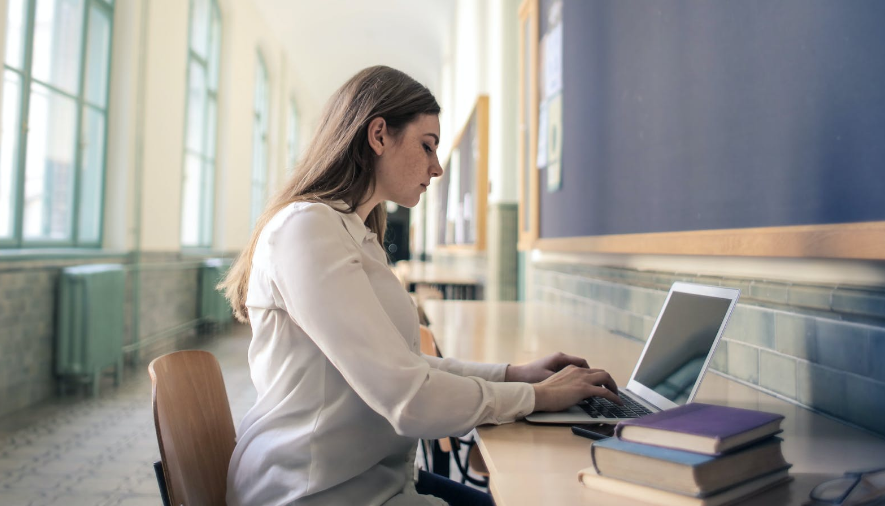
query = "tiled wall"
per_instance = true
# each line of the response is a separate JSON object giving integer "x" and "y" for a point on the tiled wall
{"x": 168, "y": 300}
{"x": 819, "y": 346}
{"x": 502, "y": 258}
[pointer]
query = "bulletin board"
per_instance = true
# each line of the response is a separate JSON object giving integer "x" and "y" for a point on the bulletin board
{"x": 750, "y": 128}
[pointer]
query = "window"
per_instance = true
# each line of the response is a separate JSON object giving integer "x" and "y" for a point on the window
{"x": 292, "y": 137}
{"x": 54, "y": 115}
{"x": 198, "y": 185}
{"x": 259, "y": 141}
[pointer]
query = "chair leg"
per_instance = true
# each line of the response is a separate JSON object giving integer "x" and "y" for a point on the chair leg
{"x": 425, "y": 450}
{"x": 118, "y": 374}
{"x": 161, "y": 482}
{"x": 440, "y": 460}
{"x": 464, "y": 464}
{"x": 96, "y": 381}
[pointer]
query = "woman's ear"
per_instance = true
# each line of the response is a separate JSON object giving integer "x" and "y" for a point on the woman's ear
{"x": 377, "y": 132}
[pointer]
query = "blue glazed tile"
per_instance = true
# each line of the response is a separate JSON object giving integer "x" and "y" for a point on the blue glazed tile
{"x": 810, "y": 296}
{"x": 820, "y": 388}
{"x": 865, "y": 403}
{"x": 769, "y": 291}
{"x": 796, "y": 335}
{"x": 637, "y": 327}
{"x": 859, "y": 302}
{"x": 708, "y": 280}
{"x": 656, "y": 303}
{"x": 720, "y": 357}
{"x": 741, "y": 284}
{"x": 648, "y": 325}
{"x": 752, "y": 325}
{"x": 743, "y": 362}
{"x": 843, "y": 346}
{"x": 877, "y": 354}
{"x": 777, "y": 373}
{"x": 585, "y": 288}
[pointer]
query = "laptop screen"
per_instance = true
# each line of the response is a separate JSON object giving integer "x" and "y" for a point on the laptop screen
{"x": 679, "y": 346}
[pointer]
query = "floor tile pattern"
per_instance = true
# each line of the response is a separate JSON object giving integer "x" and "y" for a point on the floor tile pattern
{"x": 98, "y": 452}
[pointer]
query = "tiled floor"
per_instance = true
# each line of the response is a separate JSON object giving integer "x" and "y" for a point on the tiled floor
{"x": 85, "y": 452}
{"x": 99, "y": 452}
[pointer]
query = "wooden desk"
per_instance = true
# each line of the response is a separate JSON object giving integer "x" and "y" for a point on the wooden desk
{"x": 452, "y": 281}
{"x": 534, "y": 464}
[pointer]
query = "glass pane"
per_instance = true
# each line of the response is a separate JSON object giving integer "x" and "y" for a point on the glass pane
{"x": 211, "y": 126}
{"x": 190, "y": 204}
{"x": 51, "y": 151}
{"x": 293, "y": 137}
{"x": 16, "y": 24}
{"x": 98, "y": 44}
{"x": 196, "y": 107}
{"x": 261, "y": 90}
{"x": 91, "y": 172}
{"x": 200, "y": 26}
{"x": 206, "y": 212}
{"x": 215, "y": 48}
{"x": 58, "y": 32}
{"x": 259, "y": 142}
{"x": 258, "y": 171}
{"x": 9, "y": 149}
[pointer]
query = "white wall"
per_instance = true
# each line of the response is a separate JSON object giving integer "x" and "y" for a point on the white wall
{"x": 479, "y": 57}
{"x": 164, "y": 82}
{"x": 164, "y": 109}
{"x": 503, "y": 79}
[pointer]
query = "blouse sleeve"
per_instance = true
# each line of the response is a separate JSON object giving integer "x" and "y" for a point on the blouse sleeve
{"x": 318, "y": 277}
{"x": 488, "y": 372}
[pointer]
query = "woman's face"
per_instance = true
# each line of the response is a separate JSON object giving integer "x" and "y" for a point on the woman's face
{"x": 408, "y": 161}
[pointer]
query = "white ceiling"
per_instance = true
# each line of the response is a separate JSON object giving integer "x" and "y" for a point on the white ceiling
{"x": 330, "y": 40}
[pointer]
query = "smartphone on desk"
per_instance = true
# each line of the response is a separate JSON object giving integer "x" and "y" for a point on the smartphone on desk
{"x": 594, "y": 430}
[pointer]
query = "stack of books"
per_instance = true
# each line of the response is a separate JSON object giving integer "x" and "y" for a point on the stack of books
{"x": 696, "y": 454}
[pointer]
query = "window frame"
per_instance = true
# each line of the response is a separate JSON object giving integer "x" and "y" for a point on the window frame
{"x": 256, "y": 208}
{"x": 292, "y": 151}
{"x": 19, "y": 169}
{"x": 207, "y": 205}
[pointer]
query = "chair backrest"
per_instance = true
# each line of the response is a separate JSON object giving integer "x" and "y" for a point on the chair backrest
{"x": 195, "y": 430}
{"x": 428, "y": 343}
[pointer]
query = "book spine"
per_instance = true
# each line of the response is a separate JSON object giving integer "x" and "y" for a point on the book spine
{"x": 593, "y": 457}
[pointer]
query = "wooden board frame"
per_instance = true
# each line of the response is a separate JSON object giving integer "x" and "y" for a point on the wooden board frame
{"x": 481, "y": 173}
{"x": 847, "y": 241}
{"x": 528, "y": 120}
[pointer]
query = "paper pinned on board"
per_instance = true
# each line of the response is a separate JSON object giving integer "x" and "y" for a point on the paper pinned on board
{"x": 554, "y": 143}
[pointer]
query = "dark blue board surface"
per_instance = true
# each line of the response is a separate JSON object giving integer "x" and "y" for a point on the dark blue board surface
{"x": 696, "y": 115}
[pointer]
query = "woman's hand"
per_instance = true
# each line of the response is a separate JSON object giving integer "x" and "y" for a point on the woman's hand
{"x": 543, "y": 368}
{"x": 572, "y": 385}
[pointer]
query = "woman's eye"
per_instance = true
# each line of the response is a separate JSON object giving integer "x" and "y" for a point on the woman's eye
{"x": 427, "y": 148}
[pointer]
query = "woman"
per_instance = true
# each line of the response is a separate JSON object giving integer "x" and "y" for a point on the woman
{"x": 343, "y": 391}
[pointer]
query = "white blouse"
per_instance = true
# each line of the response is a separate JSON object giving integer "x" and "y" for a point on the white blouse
{"x": 343, "y": 390}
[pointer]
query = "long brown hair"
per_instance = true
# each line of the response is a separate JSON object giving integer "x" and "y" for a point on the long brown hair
{"x": 339, "y": 163}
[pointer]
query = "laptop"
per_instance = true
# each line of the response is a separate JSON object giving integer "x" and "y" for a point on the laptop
{"x": 673, "y": 362}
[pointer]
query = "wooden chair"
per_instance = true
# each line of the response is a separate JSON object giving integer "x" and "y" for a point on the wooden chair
{"x": 441, "y": 448}
{"x": 195, "y": 430}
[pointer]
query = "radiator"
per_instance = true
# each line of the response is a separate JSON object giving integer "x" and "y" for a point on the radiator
{"x": 214, "y": 307}
{"x": 89, "y": 337}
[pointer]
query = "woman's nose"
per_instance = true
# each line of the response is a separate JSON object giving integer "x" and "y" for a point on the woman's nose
{"x": 436, "y": 169}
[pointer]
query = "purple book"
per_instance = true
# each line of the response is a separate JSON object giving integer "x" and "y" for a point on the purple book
{"x": 701, "y": 428}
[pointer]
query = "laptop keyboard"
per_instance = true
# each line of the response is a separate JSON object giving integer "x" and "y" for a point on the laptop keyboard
{"x": 598, "y": 407}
